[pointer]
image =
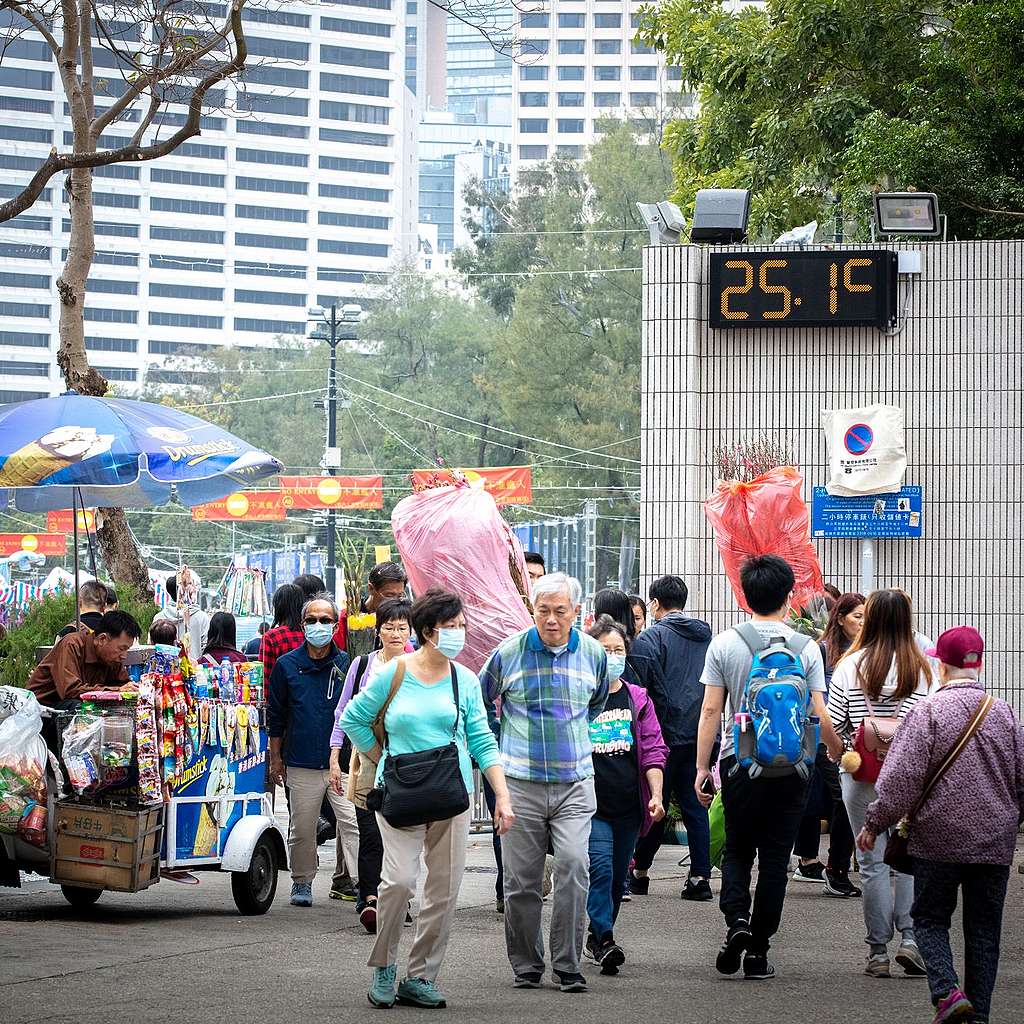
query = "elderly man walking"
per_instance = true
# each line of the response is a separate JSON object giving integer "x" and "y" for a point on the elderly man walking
{"x": 551, "y": 681}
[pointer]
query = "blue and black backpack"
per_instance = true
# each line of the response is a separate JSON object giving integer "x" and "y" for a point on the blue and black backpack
{"x": 781, "y": 735}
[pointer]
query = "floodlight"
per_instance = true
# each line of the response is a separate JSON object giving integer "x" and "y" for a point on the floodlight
{"x": 907, "y": 213}
{"x": 721, "y": 215}
{"x": 665, "y": 221}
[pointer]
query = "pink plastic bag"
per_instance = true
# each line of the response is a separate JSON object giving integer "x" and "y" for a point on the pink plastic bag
{"x": 767, "y": 516}
{"x": 454, "y": 537}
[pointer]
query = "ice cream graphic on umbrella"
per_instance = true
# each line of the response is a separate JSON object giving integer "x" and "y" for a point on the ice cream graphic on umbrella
{"x": 219, "y": 783}
{"x": 54, "y": 451}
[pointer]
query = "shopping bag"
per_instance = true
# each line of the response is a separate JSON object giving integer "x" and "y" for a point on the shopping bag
{"x": 867, "y": 450}
{"x": 716, "y": 819}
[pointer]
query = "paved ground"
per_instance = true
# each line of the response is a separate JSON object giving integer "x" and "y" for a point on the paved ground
{"x": 180, "y": 954}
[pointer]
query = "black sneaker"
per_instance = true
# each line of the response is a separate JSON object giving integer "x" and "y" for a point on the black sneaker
{"x": 697, "y": 890}
{"x": 607, "y": 954}
{"x": 499, "y": 905}
{"x": 639, "y": 886}
{"x": 571, "y": 982}
{"x": 368, "y": 916}
{"x": 349, "y": 893}
{"x": 840, "y": 886}
{"x": 531, "y": 979}
{"x": 814, "y": 872}
{"x": 757, "y": 968}
{"x": 730, "y": 956}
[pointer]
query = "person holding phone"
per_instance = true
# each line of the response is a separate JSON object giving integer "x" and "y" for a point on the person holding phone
{"x": 629, "y": 764}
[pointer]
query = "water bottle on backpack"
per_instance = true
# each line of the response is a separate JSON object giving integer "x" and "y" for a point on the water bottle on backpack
{"x": 775, "y": 733}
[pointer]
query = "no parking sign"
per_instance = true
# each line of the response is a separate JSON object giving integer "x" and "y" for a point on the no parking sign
{"x": 867, "y": 452}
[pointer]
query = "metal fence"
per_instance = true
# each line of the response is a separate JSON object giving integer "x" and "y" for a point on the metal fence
{"x": 568, "y": 545}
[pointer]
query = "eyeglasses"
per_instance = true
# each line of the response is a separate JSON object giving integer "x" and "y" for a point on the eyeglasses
{"x": 324, "y": 620}
{"x": 395, "y": 627}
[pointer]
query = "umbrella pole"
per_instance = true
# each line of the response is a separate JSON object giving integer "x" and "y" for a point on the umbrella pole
{"x": 74, "y": 527}
{"x": 88, "y": 535}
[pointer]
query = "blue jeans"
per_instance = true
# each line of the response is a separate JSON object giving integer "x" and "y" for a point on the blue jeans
{"x": 611, "y": 849}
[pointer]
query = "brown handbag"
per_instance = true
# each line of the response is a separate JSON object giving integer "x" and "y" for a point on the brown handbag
{"x": 897, "y": 848}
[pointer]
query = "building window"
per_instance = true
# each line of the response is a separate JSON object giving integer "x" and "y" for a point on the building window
{"x": 607, "y": 21}
{"x": 357, "y": 28}
{"x": 354, "y": 220}
{"x": 269, "y": 298}
{"x": 20, "y": 133}
{"x": 112, "y": 259}
{"x": 355, "y": 84}
{"x": 12, "y": 280}
{"x": 187, "y": 235}
{"x": 533, "y": 125}
{"x": 636, "y": 47}
{"x": 209, "y": 323}
{"x": 290, "y": 270}
{"x": 533, "y": 152}
{"x": 643, "y": 99}
{"x": 111, "y": 316}
{"x": 283, "y": 48}
{"x": 290, "y": 78}
{"x": 606, "y": 99}
{"x": 26, "y": 222}
{"x": 534, "y": 21}
{"x": 27, "y": 49}
{"x": 607, "y": 73}
{"x": 570, "y": 126}
{"x": 674, "y": 74}
{"x": 533, "y": 47}
{"x": 271, "y": 156}
{"x": 350, "y": 56}
{"x": 20, "y": 163}
{"x": 112, "y": 287}
{"x": 270, "y": 326}
{"x": 379, "y": 5}
{"x": 20, "y": 396}
{"x": 172, "y": 119}
{"x": 570, "y": 73}
{"x": 270, "y": 213}
{"x": 533, "y": 73}
{"x": 351, "y": 276}
{"x": 294, "y": 188}
{"x": 570, "y": 99}
{"x": 607, "y": 46}
{"x": 200, "y": 149}
{"x": 117, "y": 372}
{"x": 292, "y": 106}
{"x": 533, "y": 99}
{"x": 368, "y": 195}
{"x": 195, "y": 206}
{"x": 271, "y": 241}
{"x": 185, "y": 291}
{"x": 118, "y": 199}
{"x": 353, "y": 248}
{"x": 23, "y": 339}
{"x": 358, "y": 138}
{"x": 111, "y": 344}
{"x": 357, "y": 166}
{"x": 275, "y": 17}
{"x": 193, "y": 263}
{"x": 574, "y": 152}
{"x": 178, "y": 348}
{"x": 24, "y": 251}
{"x": 646, "y": 74}
{"x": 283, "y": 131}
{"x": 364, "y": 113}
{"x": 634, "y": 20}
{"x": 118, "y": 171}
{"x": 186, "y": 178}
{"x": 18, "y": 369}
{"x": 25, "y": 104}
{"x": 571, "y": 46}
{"x": 572, "y": 21}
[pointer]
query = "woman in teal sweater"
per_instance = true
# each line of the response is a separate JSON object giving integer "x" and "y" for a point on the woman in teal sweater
{"x": 421, "y": 716}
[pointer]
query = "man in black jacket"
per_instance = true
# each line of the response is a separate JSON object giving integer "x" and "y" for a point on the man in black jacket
{"x": 667, "y": 660}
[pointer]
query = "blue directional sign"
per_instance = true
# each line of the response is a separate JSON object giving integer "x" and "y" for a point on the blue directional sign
{"x": 870, "y": 515}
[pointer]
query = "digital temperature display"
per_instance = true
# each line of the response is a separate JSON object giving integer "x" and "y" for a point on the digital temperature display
{"x": 837, "y": 288}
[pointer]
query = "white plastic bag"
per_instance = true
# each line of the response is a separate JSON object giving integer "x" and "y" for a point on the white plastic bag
{"x": 867, "y": 450}
{"x": 23, "y": 757}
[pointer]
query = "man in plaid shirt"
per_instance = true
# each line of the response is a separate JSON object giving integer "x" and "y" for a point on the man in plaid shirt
{"x": 551, "y": 681}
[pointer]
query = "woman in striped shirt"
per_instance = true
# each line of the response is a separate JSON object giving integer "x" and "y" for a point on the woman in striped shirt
{"x": 882, "y": 676}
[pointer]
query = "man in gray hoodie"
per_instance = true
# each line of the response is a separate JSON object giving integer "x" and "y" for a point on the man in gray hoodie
{"x": 667, "y": 660}
{"x": 198, "y": 621}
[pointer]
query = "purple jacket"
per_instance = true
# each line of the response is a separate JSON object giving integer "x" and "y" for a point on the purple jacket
{"x": 651, "y": 751}
{"x": 973, "y": 813}
{"x": 338, "y": 734}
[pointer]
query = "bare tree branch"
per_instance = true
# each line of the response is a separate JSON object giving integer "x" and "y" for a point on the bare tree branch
{"x": 37, "y": 23}
{"x": 1016, "y": 214}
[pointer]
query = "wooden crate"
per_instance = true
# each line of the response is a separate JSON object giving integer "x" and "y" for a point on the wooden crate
{"x": 106, "y": 847}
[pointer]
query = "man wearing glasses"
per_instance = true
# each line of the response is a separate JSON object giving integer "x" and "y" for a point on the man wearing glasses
{"x": 305, "y": 688}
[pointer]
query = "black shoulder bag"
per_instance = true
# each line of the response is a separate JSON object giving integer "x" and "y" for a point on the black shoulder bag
{"x": 427, "y": 785}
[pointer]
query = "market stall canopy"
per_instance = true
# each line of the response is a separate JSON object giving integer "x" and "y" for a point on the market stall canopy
{"x": 118, "y": 453}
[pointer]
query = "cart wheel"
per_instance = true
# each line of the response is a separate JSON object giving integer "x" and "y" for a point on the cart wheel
{"x": 80, "y": 897}
{"x": 254, "y": 889}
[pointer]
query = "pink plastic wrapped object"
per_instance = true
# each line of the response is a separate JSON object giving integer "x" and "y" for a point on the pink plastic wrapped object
{"x": 454, "y": 537}
{"x": 767, "y": 516}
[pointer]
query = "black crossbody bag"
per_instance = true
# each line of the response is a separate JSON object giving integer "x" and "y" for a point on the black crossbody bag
{"x": 427, "y": 785}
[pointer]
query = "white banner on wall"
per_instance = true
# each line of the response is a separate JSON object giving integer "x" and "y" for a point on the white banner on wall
{"x": 867, "y": 451}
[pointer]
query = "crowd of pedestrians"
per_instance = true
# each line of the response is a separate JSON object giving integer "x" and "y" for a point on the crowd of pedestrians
{"x": 584, "y": 737}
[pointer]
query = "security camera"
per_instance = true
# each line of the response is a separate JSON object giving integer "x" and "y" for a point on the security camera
{"x": 664, "y": 220}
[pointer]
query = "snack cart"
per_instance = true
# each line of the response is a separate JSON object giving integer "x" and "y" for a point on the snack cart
{"x": 166, "y": 779}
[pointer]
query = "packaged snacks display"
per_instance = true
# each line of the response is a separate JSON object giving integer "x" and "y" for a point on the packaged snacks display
{"x": 150, "y": 783}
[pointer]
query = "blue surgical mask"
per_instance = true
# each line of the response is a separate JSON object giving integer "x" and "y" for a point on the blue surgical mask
{"x": 450, "y": 641}
{"x": 319, "y": 633}
{"x": 616, "y": 665}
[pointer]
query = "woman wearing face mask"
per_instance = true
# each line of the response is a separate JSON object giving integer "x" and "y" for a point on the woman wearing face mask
{"x": 629, "y": 763}
{"x": 420, "y": 716}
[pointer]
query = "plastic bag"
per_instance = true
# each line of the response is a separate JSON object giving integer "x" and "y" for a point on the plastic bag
{"x": 767, "y": 516}
{"x": 867, "y": 450}
{"x": 23, "y": 758}
{"x": 454, "y": 537}
{"x": 716, "y": 820}
{"x": 80, "y": 749}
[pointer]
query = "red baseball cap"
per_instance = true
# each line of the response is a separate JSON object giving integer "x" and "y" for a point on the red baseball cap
{"x": 961, "y": 647}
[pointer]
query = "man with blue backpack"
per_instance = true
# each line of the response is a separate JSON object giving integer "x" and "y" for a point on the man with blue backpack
{"x": 775, "y": 683}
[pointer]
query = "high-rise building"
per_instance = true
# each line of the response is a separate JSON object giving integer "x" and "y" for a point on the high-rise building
{"x": 480, "y": 66}
{"x": 425, "y": 26}
{"x": 578, "y": 62}
{"x": 303, "y": 183}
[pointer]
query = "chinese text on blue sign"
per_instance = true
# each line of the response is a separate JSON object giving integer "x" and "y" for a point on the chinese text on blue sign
{"x": 871, "y": 515}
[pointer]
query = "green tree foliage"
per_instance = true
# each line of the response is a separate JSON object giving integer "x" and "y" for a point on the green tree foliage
{"x": 804, "y": 100}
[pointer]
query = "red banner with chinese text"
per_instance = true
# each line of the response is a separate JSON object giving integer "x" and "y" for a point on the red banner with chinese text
{"x": 508, "y": 485}
{"x": 59, "y": 521}
{"x": 251, "y": 506}
{"x": 355, "y": 492}
{"x": 35, "y": 543}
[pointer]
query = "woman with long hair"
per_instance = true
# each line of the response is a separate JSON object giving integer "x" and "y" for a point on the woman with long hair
{"x": 617, "y": 606}
{"x": 879, "y": 680}
{"x": 220, "y": 640}
{"x": 825, "y": 794}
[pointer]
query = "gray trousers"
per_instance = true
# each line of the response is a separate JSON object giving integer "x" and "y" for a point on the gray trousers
{"x": 559, "y": 813}
{"x": 886, "y": 905}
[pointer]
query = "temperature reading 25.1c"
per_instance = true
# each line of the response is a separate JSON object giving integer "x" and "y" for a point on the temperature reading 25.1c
{"x": 819, "y": 288}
